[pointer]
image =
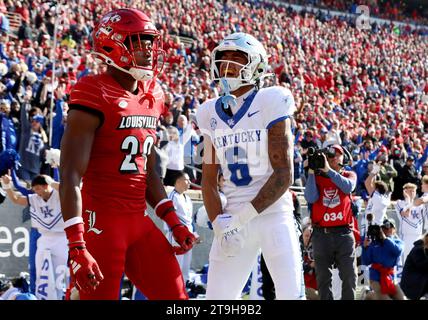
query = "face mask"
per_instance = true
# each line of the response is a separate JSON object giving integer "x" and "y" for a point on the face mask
{"x": 141, "y": 74}
{"x": 230, "y": 84}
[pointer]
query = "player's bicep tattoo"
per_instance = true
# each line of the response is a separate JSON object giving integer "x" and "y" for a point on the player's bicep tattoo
{"x": 280, "y": 149}
{"x": 280, "y": 145}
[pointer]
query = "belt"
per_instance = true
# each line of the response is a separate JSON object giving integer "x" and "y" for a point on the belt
{"x": 335, "y": 229}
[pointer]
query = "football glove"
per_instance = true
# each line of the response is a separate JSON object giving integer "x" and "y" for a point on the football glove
{"x": 166, "y": 211}
{"x": 84, "y": 271}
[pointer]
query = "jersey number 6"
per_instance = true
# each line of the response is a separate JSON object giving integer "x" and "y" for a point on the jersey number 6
{"x": 239, "y": 172}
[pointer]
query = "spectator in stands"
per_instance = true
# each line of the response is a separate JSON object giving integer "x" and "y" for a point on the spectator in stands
{"x": 184, "y": 208}
{"x": 406, "y": 174}
{"x": 9, "y": 139}
{"x": 175, "y": 163}
{"x": 311, "y": 288}
{"x": 387, "y": 172}
{"x": 161, "y": 155}
{"x": 189, "y": 146}
{"x": 32, "y": 142}
{"x": 414, "y": 279}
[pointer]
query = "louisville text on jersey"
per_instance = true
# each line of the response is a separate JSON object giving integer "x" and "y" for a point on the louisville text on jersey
{"x": 137, "y": 121}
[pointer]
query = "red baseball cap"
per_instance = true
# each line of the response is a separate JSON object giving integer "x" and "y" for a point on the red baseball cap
{"x": 338, "y": 148}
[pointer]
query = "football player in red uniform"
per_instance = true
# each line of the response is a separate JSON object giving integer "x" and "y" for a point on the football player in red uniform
{"x": 111, "y": 129}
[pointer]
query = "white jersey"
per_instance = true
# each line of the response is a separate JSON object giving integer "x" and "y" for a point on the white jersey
{"x": 184, "y": 208}
{"x": 46, "y": 216}
{"x": 241, "y": 141}
{"x": 413, "y": 224}
{"x": 377, "y": 205}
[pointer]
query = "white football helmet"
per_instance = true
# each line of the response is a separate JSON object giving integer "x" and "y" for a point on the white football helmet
{"x": 252, "y": 72}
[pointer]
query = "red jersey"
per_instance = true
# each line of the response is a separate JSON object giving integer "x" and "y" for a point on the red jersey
{"x": 116, "y": 173}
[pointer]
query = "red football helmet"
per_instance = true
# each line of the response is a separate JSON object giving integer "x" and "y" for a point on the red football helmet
{"x": 114, "y": 39}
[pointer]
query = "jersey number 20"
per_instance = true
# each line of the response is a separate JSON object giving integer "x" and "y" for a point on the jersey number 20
{"x": 131, "y": 146}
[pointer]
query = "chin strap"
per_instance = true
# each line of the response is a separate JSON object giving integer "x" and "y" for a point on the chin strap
{"x": 137, "y": 74}
{"x": 228, "y": 100}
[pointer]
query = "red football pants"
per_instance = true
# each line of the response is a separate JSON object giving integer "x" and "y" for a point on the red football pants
{"x": 130, "y": 243}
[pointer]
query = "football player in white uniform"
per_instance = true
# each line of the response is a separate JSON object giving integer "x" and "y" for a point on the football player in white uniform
{"x": 413, "y": 215}
{"x": 247, "y": 132}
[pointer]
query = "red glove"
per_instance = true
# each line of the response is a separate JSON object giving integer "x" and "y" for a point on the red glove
{"x": 166, "y": 211}
{"x": 84, "y": 271}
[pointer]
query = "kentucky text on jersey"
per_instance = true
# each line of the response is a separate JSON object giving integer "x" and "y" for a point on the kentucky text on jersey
{"x": 137, "y": 121}
{"x": 221, "y": 141}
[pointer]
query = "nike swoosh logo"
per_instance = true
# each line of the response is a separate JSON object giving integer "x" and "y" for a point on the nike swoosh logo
{"x": 252, "y": 114}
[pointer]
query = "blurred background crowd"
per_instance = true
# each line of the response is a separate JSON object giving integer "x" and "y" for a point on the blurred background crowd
{"x": 365, "y": 89}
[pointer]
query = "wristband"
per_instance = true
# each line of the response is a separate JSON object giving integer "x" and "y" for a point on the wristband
{"x": 74, "y": 235}
{"x": 163, "y": 210}
{"x": 74, "y": 220}
{"x": 164, "y": 207}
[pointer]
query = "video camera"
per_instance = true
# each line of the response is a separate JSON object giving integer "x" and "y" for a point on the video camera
{"x": 373, "y": 233}
{"x": 316, "y": 159}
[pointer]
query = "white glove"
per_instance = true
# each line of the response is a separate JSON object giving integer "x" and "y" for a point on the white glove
{"x": 227, "y": 229}
{"x": 227, "y": 224}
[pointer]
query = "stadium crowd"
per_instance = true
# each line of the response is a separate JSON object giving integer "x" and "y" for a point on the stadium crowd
{"x": 366, "y": 90}
{"x": 400, "y": 10}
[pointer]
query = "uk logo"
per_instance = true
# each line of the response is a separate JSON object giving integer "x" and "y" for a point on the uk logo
{"x": 415, "y": 214}
{"x": 213, "y": 123}
{"x": 92, "y": 219}
{"x": 46, "y": 211}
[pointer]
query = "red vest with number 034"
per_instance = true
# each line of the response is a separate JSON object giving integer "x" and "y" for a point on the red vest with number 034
{"x": 333, "y": 207}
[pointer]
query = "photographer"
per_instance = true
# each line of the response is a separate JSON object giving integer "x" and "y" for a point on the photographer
{"x": 328, "y": 190}
{"x": 382, "y": 249}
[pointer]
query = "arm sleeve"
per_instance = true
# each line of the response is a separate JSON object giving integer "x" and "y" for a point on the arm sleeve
{"x": 24, "y": 191}
{"x": 3, "y": 134}
{"x": 25, "y": 125}
{"x": 187, "y": 134}
{"x": 57, "y": 120}
{"x": 366, "y": 255}
{"x": 56, "y": 174}
{"x": 346, "y": 184}
{"x": 3, "y": 54}
{"x": 311, "y": 190}
{"x": 398, "y": 208}
{"x": 395, "y": 247}
{"x": 421, "y": 161}
{"x": 374, "y": 154}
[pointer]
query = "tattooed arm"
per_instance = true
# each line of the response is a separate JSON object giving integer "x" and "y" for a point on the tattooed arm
{"x": 280, "y": 149}
{"x": 210, "y": 169}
